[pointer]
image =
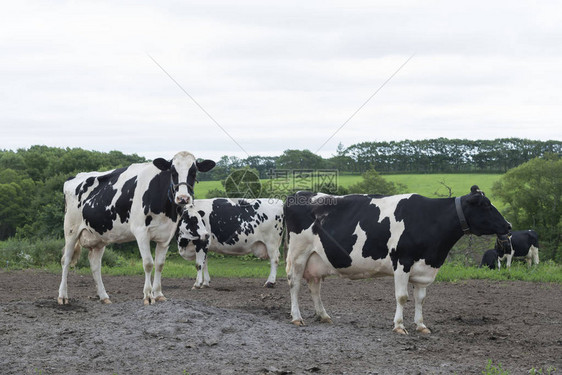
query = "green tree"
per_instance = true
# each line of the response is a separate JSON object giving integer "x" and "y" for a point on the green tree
{"x": 533, "y": 193}
{"x": 300, "y": 159}
{"x": 374, "y": 183}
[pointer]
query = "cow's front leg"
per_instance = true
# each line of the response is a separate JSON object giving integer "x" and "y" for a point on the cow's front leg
{"x": 206, "y": 277}
{"x": 401, "y": 293}
{"x": 148, "y": 265}
{"x": 200, "y": 260}
{"x": 95, "y": 256}
{"x": 508, "y": 263}
{"x": 419, "y": 297}
{"x": 159, "y": 259}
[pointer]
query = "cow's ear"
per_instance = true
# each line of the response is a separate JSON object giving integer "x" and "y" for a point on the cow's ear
{"x": 162, "y": 164}
{"x": 205, "y": 165}
{"x": 476, "y": 190}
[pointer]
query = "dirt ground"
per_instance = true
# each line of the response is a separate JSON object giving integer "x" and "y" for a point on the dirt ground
{"x": 238, "y": 327}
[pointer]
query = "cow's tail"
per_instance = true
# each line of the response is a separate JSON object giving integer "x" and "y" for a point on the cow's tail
{"x": 75, "y": 254}
{"x": 285, "y": 241}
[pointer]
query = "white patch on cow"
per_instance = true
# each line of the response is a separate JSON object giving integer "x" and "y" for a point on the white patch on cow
{"x": 387, "y": 206}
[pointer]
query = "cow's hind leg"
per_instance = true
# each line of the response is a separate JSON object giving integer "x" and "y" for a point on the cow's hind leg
{"x": 159, "y": 259}
{"x": 401, "y": 294}
{"x": 148, "y": 265}
{"x": 535, "y": 252}
{"x": 95, "y": 256}
{"x": 295, "y": 269}
{"x": 273, "y": 253}
{"x": 71, "y": 242}
{"x": 419, "y": 297}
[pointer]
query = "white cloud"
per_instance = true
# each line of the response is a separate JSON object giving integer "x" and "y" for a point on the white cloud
{"x": 275, "y": 75}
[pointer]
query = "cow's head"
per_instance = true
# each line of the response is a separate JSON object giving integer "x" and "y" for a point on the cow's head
{"x": 192, "y": 234}
{"x": 183, "y": 170}
{"x": 481, "y": 216}
{"x": 503, "y": 245}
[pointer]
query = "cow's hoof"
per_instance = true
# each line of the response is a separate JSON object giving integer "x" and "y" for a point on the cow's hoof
{"x": 63, "y": 301}
{"x": 269, "y": 284}
{"x": 423, "y": 330}
{"x": 148, "y": 301}
{"x": 298, "y": 322}
{"x": 106, "y": 301}
{"x": 160, "y": 299}
{"x": 326, "y": 320}
{"x": 400, "y": 330}
{"x": 206, "y": 286}
{"x": 195, "y": 287}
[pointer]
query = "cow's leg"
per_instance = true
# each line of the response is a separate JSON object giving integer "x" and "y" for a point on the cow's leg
{"x": 273, "y": 253}
{"x": 401, "y": 293}
{"x": 206, "y": 277}
{"x": 159, "y": 260}
{"x": 535, "y": 251}
{"x": 148, "y": 265}
{"x": 508, "y": 257}
{"x": 315, "y": 286}
{"x": 295, "y": 269}
{"x": 419, "y": 296}
{"x": 94, "y": 256}
{"x": 70, "y": 244}
{"x": 200, "y": 261}
{"x": 499, "y": 264}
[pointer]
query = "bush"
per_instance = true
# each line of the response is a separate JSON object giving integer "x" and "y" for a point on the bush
{"x": 25, "y": 253}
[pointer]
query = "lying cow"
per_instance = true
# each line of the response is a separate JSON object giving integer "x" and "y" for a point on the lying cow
{"x": 360, "y": 236}
{"x": 142, "y": 202}
{"x": 525, "y": 243}
{"x": 237, "y": 227}
{"x": 491, "y": 258}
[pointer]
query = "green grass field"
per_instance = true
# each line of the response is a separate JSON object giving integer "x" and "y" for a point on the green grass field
{"x": 429, "y": 185}
{"x": 247, "y": 266}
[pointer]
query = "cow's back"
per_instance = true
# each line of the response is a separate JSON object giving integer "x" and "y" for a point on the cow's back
{"x": 237, "y": 225}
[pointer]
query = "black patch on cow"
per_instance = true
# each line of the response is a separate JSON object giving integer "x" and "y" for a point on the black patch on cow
{"x": 229, "y": 221}
{"x": 95, "y": 211}
{"x": 201, "y": 213}
{"x": 183, "y": 242}
{"x": 490, "y": 259}
{"x": 158, "y": 198}
{"x": 82, "y": 188}
{"x": 148, "y": 220}
{"x": 297, "y": 212}
{"x": 336, "y": 222}
{"x": 125, "y": 200}
{"x": 424, "y": 237}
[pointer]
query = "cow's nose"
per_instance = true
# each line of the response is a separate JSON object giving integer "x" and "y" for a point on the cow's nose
{"x": 183, "y": 200}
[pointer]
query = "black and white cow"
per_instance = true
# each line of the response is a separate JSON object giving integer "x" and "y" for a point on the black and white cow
{"x": 491, "y": 258}
{"x": 361, "y": 236}
{"x": 524, "y": 243}
{"x": 142, "y": 202}
{"x": 237, "y": 227}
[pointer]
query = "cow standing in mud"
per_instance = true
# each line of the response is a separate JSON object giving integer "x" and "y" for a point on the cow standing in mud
{"x": 142, "y": 202}
{"x": 237, "y": 227}
{"x": 361, "y": 236}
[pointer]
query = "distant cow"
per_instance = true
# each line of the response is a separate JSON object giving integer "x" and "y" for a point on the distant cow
{"x": 525, "y": 243}
{"x": 360, "y": 236}
{"x": 142, "y": 202}
{"x": 237, "y": 227}
{"x": 491, "y": 258}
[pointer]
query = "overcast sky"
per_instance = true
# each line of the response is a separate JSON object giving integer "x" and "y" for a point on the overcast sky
{"x": 275, "y": 75}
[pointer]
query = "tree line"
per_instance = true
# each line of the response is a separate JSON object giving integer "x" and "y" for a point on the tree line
{"x": 439, "y": 155}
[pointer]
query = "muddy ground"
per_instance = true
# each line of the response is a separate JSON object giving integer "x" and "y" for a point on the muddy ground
{"x": 238, "y": 327}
